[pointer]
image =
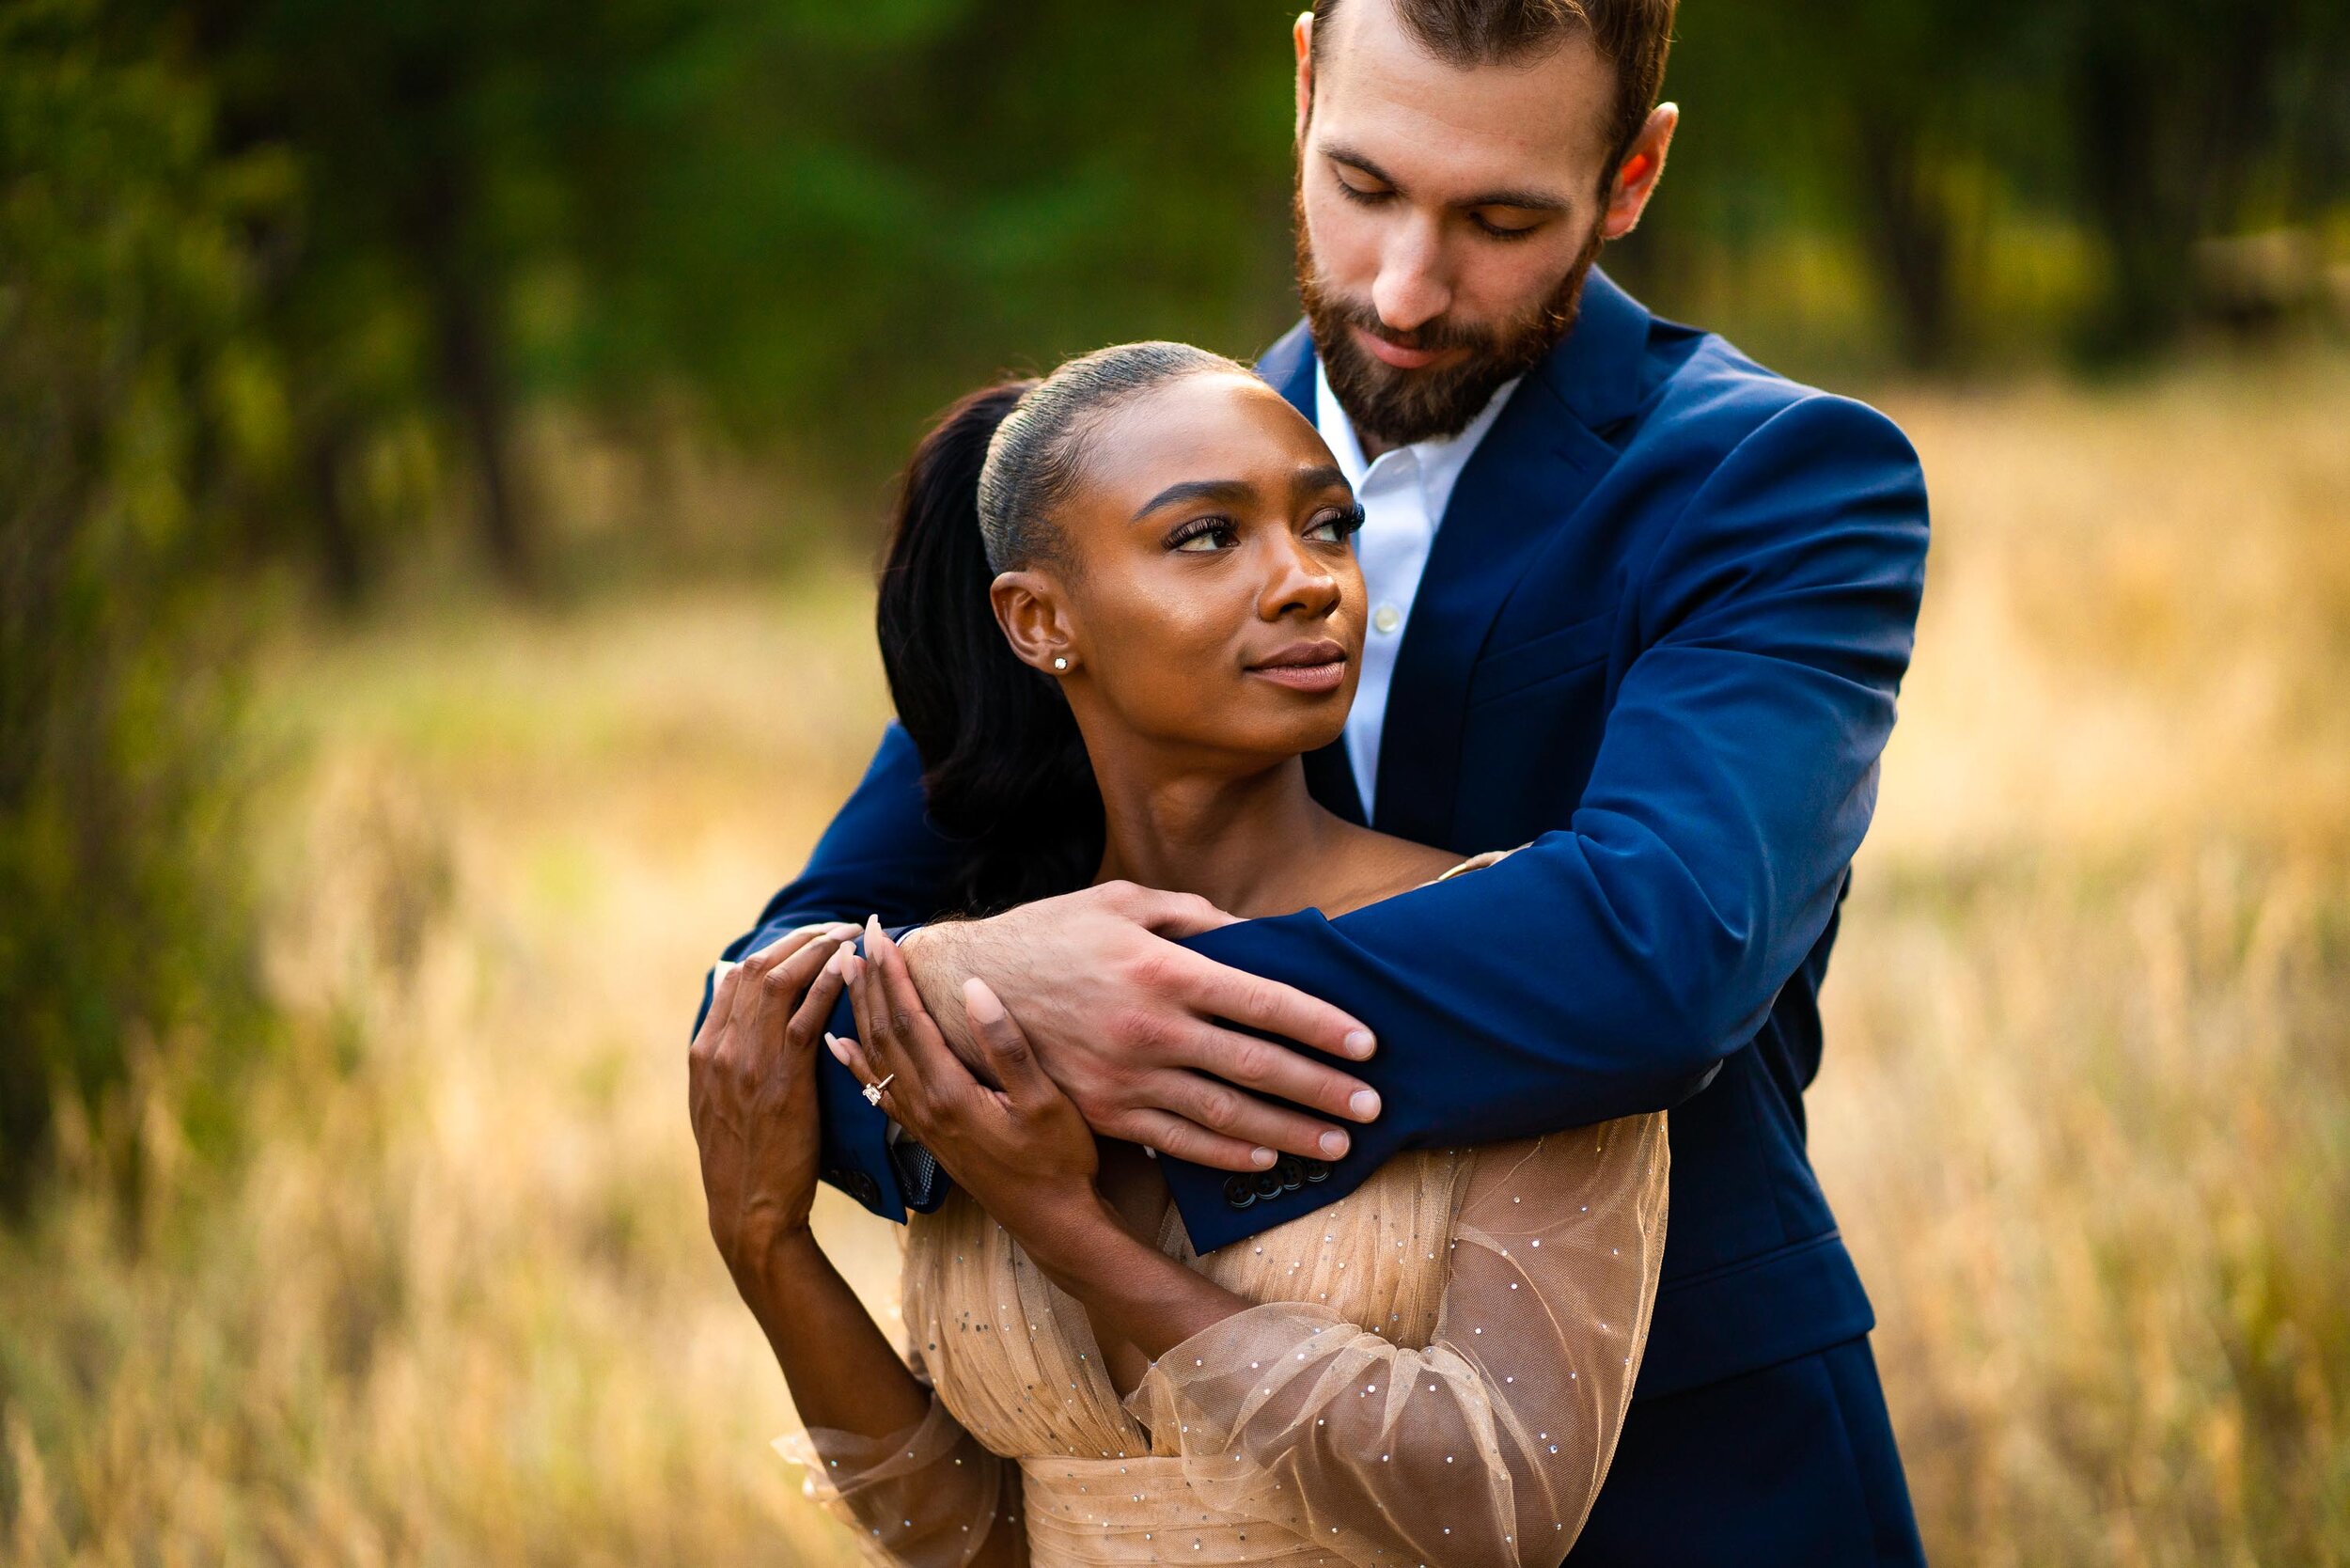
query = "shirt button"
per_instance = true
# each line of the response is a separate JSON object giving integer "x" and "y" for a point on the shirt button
{"x": 1385, "y": 618}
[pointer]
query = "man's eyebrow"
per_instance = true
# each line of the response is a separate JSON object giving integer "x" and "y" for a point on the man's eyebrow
{"x": 1226, "y": 490}
{"x": 1527, "y": 199}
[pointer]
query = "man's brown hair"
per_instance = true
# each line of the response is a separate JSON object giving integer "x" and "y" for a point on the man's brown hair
{"x": 1633, "y": 36}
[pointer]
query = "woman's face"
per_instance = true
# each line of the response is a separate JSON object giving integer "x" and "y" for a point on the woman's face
{"x": 1207, "y": 596}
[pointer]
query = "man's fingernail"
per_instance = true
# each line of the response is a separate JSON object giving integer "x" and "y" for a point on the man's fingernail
{"x": 1364, "y": 1103}
{"x": 1261, "y": 1157}
{"x": 1359, "y": 1043}
{"x": 1333, "y": 1145}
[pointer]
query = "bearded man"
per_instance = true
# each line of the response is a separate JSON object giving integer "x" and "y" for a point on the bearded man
{"x": 1635, "y": 603}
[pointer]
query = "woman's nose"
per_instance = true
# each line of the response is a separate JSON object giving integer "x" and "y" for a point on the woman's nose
{"x": 1298, "y": 584}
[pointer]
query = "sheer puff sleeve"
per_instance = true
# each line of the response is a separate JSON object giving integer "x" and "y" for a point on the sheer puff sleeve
{"x": 1487, "y": 1446}
{"x": 927, "y": 1497}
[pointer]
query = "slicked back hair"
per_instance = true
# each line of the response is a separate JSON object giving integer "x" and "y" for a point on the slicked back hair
{"x": 1633, "y": 36}
{"x": 1036, "y": 454}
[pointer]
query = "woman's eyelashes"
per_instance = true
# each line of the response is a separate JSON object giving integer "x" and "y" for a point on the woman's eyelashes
{"x": 1202, "y": 536}
{"x": 1337, "y": 528}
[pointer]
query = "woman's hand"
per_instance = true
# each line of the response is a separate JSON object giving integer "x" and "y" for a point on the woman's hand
{"x": 753, "y": 1097}
{"x": 1023, "y": 1150}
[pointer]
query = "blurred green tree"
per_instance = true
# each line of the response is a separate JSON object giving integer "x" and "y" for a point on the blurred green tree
{"x": 134, "y": 404}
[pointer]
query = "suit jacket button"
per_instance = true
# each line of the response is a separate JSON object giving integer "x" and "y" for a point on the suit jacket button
{"x": 1239, "y": 1193}
{"x": 864, "y": 1188}
{"x": 1292, "y": 1174}
{"x": 1268, "y": 1183}
{"x": 1315, "y": 1171}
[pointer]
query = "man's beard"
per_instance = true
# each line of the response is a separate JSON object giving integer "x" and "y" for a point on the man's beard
{"x": 1398, "y": 406}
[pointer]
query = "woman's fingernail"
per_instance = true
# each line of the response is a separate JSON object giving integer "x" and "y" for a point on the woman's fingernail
{"x": 1333, "y": 1145}
{"x": 1364, "y": 1103}
{"x": 839, "y": 1052}
{"x": 1261, "y": 1157}
{"x": 1359, "y": 1044}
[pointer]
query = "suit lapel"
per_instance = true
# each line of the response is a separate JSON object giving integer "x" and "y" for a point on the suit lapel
{"x": 1530, "y": 472}
{"x": 1528, "y": 475}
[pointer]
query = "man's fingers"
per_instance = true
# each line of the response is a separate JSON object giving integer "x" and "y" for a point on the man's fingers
{"x": 1218, "y": 1108}
{"x": 1184, "y": 1141}
{"x": 1009, "y": 1053}
{"x": 1174, "y": 915}
{"x": 1269, "y": 1067}
{"x": 1222, "y": 992}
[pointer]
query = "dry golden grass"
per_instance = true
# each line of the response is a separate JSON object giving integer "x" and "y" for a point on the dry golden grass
{"x": 2085, "y": 1110}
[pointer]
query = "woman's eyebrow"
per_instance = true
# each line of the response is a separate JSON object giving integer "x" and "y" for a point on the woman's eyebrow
{"x": 1229, "y": 491}
{"x": 1323, "y": 476}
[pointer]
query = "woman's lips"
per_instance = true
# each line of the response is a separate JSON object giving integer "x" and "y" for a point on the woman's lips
{"x": 1395, "y": 354}
{"x": 1313, "y": 667}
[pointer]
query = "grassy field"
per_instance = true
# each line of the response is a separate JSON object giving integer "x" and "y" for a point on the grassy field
{"x": 2086, "y": 1111}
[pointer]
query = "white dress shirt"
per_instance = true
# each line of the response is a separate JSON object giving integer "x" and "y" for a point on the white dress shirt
{"x": 1403, "y": 495}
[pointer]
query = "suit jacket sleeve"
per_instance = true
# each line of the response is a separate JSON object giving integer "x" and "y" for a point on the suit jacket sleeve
{"x": 880, "y": 856}
{"x": 1608, "y": 968}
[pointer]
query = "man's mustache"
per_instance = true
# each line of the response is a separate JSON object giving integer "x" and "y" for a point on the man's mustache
{"x": 1429, "y": 336}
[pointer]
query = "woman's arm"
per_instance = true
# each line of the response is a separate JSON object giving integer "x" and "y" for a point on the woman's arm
{"x": 890, "y": 1459}
{"x": 1489, "y": 1444}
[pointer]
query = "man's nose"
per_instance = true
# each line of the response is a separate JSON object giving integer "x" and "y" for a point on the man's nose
{"x": 1413, "y": 286}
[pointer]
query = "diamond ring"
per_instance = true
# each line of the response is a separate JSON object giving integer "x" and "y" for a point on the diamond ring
{"x": 873, "y": 1092}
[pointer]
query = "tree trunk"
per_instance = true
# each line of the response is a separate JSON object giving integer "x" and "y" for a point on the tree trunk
{"x": 1909, "y": 235}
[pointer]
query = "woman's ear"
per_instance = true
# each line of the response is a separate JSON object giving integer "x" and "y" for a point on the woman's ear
{"x": 1036, "y": 620}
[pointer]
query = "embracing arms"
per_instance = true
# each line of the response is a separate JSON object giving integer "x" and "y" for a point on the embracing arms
{"x": 1488, "y": 1444}
{"x": 1601, "y": 971}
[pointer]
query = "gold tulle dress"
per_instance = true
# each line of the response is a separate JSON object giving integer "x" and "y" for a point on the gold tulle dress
{"x": 1436, "y": 1374}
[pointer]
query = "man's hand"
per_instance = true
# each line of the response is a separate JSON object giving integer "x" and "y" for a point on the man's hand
{"x": 1126, "y": 1022}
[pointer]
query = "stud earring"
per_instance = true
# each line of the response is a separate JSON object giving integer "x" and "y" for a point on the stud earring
{"x": 1060, "y": 662}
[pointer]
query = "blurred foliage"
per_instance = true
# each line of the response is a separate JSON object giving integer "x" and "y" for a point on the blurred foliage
{"x": 800, "y": 226}
{"x": 129, "y": 402}
{"x": 291, "y": 281}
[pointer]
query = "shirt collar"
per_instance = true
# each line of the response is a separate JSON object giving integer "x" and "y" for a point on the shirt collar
{"x": 1439, "y": 460}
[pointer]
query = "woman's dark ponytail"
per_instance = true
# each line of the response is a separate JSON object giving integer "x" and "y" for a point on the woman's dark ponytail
{"x": 1003, "y": 766}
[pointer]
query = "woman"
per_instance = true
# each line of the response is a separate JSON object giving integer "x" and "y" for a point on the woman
{"x": 1118, "y": 607}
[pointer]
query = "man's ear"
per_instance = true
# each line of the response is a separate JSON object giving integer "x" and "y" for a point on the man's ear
{"x": 1302, "y": 35}
{"x": 1635, "y": 178}
{"x": 1029, "y": 607}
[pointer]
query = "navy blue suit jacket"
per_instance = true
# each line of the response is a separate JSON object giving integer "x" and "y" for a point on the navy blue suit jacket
{"x": 1658, "y": 639}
